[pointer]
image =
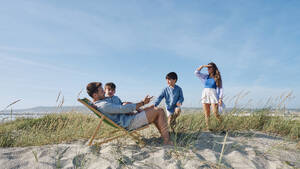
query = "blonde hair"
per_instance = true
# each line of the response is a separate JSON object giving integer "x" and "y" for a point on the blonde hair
{"x": 216, "y": 74}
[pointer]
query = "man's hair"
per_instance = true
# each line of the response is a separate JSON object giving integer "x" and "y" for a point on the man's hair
{"x": 172, "y": 75}
{"x": 92, "y": 88}
{"x": 111, "y": 85}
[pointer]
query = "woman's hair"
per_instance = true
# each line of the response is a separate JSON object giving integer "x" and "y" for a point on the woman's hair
{"x": 216, "y": 74}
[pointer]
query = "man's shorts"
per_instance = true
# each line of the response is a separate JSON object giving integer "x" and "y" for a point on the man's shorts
{"x": 139, "y": 121}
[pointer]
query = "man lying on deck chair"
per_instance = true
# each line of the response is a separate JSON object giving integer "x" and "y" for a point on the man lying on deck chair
{"x": 122, "y": 114}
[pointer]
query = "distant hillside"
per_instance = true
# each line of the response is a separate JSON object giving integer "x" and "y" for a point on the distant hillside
{"x": 45, "y": 109}
{"x": 48, "y": 109}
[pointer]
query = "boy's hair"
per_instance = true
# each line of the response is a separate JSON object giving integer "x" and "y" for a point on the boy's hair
{"x": 172, "y": 75}
{"x": 92, "y": 88}
{"x": 111, "y": 85}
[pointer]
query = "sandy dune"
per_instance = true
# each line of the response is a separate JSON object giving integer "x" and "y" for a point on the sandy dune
{"x": 242, "y": 150}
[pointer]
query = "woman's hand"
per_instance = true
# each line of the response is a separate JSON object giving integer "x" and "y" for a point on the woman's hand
{"x": 200, "y": 67}
{"x": 178, "y": 104}
{"x": 220, "y": 102}
{"x": 207, "y": 66}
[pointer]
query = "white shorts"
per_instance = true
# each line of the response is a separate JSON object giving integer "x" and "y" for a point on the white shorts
{"x": 209, "y": 96}
{"x": 139, "y": 121}
{"x": 169, "y": 113}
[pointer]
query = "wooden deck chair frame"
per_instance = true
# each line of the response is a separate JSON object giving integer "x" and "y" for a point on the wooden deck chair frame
{"x": 133, "y": 133}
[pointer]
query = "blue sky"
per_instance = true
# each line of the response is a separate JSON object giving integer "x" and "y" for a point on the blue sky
{"x": 52, "y": 46}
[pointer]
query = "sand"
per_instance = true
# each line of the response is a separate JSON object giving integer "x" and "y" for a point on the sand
{"x": 242, "y": 150}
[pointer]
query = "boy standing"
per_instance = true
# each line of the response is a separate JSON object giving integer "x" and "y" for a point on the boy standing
{"x": 173, "y": 97}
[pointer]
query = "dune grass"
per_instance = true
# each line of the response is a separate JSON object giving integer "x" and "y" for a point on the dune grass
{"x": 50, "y": 129}
{"x": 67, "y": 127}
{"x": 278, "y": 125}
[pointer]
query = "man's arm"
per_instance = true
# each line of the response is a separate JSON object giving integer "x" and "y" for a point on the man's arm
{"x": 112, "y": 108}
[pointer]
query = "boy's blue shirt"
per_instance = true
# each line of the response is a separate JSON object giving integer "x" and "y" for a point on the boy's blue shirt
{"x": 114, "y": 99}
{"x": 172, "y": 96}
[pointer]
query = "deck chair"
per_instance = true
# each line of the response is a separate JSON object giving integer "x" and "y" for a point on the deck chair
{"x": 118, "y": 129}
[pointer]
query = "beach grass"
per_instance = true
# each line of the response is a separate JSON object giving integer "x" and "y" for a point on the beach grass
{"x": 67, "y": 127}
{"x": 49, "y": 129}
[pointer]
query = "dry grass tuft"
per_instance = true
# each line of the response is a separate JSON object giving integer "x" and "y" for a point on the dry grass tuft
{"x": 50, "y": 129}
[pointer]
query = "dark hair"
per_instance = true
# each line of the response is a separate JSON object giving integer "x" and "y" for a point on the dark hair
{"x": 111, "y": 85}
{"x": 216, "y": 74}
{"x": 172, "y": 75}
{"x": 92, "y": 88}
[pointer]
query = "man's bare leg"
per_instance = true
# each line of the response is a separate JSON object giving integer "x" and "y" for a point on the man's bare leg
{"x": 158, "y": 117}
{"x": 148, "y": 108}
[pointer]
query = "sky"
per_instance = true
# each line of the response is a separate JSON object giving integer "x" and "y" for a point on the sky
{"x": 52, "y": 47}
